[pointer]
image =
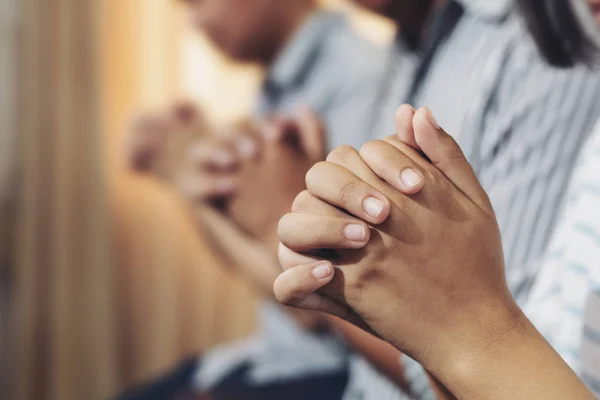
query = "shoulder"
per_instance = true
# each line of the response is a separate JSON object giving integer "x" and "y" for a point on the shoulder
{"x": 528, "y": 87}
{"x": 524, "y": 59}
{"x": 351, "y": 55}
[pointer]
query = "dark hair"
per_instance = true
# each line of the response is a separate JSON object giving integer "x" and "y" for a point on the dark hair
{"x": 558, "y": 32}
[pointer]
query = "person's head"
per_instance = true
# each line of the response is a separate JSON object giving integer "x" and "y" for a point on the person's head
{"x": 410, "y": 15}
{"x": 248, "y": 30}
{"x": 395, "y": 8}
{"x": 566, "y": 31}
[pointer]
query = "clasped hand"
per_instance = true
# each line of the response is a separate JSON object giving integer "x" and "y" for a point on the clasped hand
{"x": 400, "y": 239}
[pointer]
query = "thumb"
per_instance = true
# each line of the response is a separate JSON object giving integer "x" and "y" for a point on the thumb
{"x": 312, "y": 134}
{"x": 298, "y": 287}
{"x": 144, "y": 139}
{"x": 447, "y": 156}
{"x": 404, "y": 125}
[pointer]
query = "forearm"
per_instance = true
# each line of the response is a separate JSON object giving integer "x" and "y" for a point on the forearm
{"x": 258, "y": 270}
{"x": 254, "y": 260}
{"x": 521, "y": 365}
{"x": 248, "y": 257}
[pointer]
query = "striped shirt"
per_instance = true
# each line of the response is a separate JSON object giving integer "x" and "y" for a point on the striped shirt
{"x": 329, "y": 67}
{"x": 565, "y": 300}
{"x": 520, "y": 122}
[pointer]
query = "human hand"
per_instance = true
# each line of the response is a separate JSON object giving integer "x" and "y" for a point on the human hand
{"x": 176, "y": 146}
{"x": 269, "y": 183}
{"x": 428, "y": 278}
{"x": 298, "y": 286}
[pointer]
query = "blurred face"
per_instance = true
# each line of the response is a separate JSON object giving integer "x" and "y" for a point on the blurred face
{"x": 595, "y": 7}
{"x": 238, "y": 27}
{"x": 405, "y": 11}
{"x": 379, "y": 6}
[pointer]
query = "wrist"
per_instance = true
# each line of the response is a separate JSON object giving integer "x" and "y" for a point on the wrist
{"x": 519, "y": 364}
{"x": 472, "y": 354}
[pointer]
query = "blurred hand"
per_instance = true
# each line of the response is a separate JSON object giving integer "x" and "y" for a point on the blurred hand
{"x": 175, "y": 146}
{"x": 269, "y": 184}
{"x": 262, "y": 164}
{"x": 424, "y": 272}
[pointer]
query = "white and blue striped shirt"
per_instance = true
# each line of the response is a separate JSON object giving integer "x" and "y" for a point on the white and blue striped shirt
{"x": 565, "y": 300}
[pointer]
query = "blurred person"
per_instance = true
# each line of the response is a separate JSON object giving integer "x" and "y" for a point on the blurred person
{"x": 312, "y": 59}
{"x": 470, "y": 61}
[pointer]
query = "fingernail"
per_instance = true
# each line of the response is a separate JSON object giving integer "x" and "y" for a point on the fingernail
{"x": 322, "y": 271}
{"x": 432, "y": 119}
{"x": 355, "y": 233}
{"x": 247, "y": 147}
{"x": 373, "y": 206}
{"x": 410, "y": 177}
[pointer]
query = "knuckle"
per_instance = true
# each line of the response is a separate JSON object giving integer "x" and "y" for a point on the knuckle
{"x": 282, "y": 292}
{"x": 378, "y": 156}
{"x": 301, "y": 201}
{"x": 287, "y": 258}
{"x": 315, "y": 173}
{"x": 347, "y": 192}
{"x": 372, "y": 148}
{"x": 455, "y": 156}
{"x": 434, "y": 177}
{"x": 453, "y": 151}
{"x": 341, "y": 154}
{"x": 283, "y": 227}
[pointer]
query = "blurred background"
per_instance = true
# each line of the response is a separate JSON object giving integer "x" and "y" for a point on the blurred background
{"x": 104, "y": 283}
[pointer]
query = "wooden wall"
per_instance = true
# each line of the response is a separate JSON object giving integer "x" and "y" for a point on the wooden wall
{"x": 8, "y": 138}
{"x": 64, "y": 287}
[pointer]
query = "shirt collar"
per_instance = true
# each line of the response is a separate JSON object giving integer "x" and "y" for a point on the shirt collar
{"x": 297, "y": 57}
{"x": 494, "y": 10}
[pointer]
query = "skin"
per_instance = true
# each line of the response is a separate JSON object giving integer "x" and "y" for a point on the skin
{"x": 429, "y": 279}
{"x": 410, "y": 15}
{"x": 269, "y": 183}
{"x": 217, "y": 173}
{"x": 595, "y": 8}
{"x": 249, "y": 30}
